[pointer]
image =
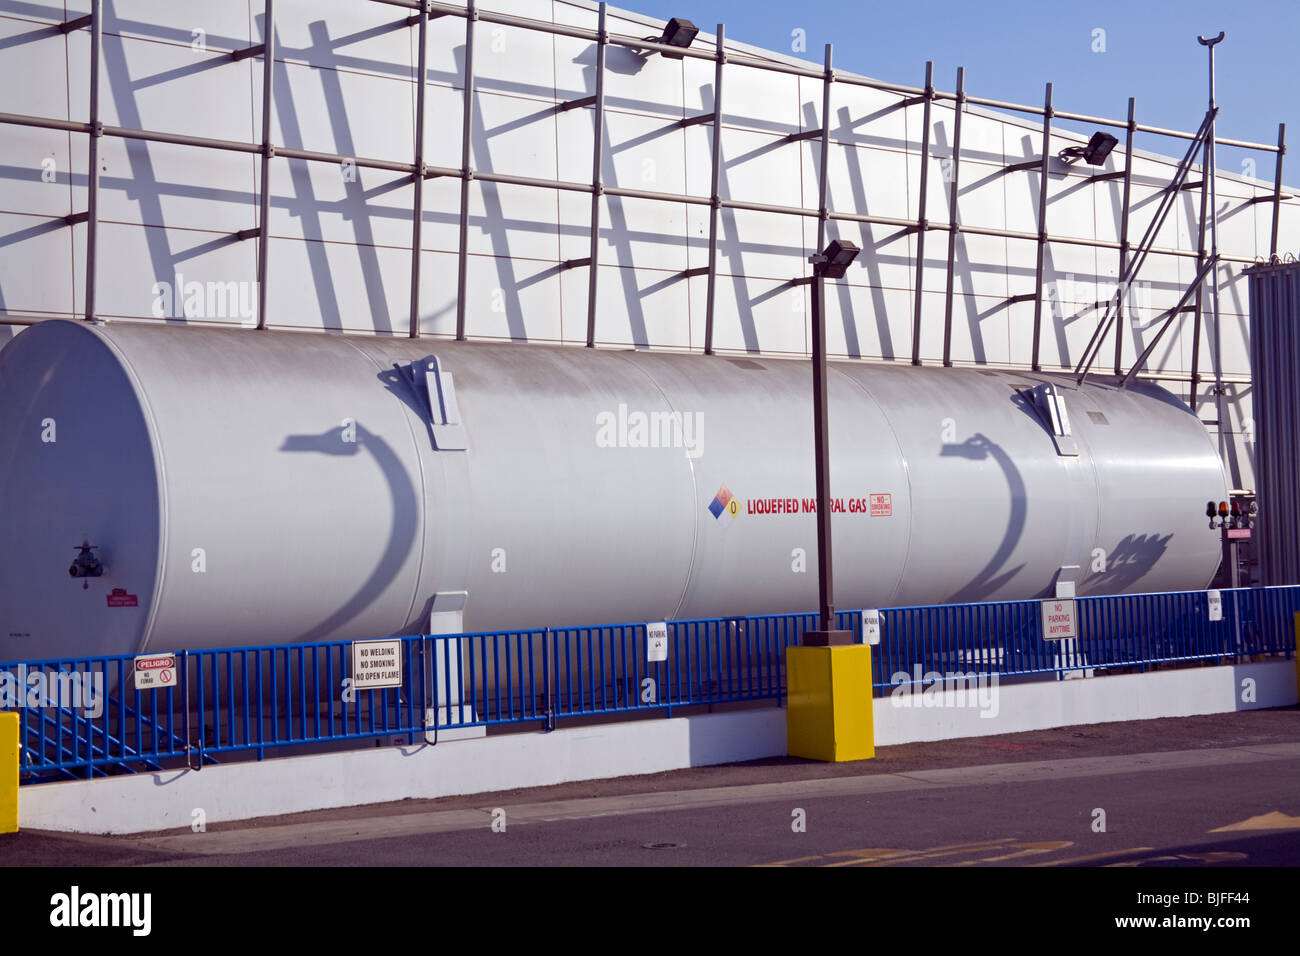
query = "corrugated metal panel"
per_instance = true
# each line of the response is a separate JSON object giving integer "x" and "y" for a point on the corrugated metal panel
{"x": 1274, "y": 358}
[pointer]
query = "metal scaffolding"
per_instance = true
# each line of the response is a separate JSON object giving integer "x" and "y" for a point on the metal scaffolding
{"x": 601, "y": 38}
{"x": 1130, "y": 266}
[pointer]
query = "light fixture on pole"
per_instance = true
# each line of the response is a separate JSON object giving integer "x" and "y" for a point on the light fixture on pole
{"x": 1095, "y": 153}
{"x": 678, "y": 32}
{"x": 835, "y": 260}
{"x": 1209, "y": 167}
{"x": 830, "y": 264}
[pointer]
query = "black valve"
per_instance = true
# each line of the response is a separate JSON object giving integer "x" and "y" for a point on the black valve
{"x": 85, "y": 564}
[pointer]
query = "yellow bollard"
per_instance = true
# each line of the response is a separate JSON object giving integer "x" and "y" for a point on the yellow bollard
{"x": 8, "y": 773}
{"x": 1297, "y": 655}
{"x": 828, "y": 708}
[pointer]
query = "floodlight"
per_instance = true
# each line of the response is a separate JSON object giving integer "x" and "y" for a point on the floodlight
{"x": 679, "y": 32}
{"x": 1095, "y": 153}
{"x": 1098, "y": 148}
{"x": 839, "y": 255}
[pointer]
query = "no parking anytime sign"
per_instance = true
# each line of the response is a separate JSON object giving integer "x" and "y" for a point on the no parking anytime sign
{"x": 1059, "y": 621}
{"x": 155, "y": 671}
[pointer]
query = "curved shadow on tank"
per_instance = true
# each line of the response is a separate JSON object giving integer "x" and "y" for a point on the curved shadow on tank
{"x": 1129, "y": 562}
{"x": 406, "y": 518}
{"x": 978, "y": 448}
{"x": 399, "y": 382}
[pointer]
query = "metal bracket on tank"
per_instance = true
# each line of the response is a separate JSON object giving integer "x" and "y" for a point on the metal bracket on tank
{"x": 436, "y": 386}
{"x": 1051, "y": 405}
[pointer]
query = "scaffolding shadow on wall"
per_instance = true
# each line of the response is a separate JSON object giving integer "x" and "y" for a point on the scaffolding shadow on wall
{"x": 671, "y": 44}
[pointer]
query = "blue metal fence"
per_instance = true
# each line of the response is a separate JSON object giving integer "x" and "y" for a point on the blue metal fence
{"x": 85, "y": 717}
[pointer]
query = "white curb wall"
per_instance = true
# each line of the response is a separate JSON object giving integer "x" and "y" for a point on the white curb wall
{"x": 238, "y": 791}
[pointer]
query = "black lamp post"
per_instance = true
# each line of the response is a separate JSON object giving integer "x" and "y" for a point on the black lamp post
{"x": 830, "y": 264}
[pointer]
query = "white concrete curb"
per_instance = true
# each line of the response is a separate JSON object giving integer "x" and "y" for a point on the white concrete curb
{"x": 238, "y": 791}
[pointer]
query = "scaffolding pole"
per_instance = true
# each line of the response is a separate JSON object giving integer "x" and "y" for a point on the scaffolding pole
{"x": 597, "y": 159}
{"x": 922, "y": 226}
{"x": 268, "y": 152}
{"x": 953, "y": 219}
{"x": 1277, "y": 189}
{"x": 1042, "y": 228}
{"x": 715, "y": 203}
{"x": 466, "y": 171}
{"x": 92, "y": 173}
{"x": 417, "y": 216}
{"x": 1123, "y": 232}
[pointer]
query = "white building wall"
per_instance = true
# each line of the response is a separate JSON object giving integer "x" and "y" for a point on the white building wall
{"x": 340, "y": 251}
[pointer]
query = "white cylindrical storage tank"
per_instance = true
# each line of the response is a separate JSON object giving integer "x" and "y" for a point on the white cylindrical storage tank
{"x": 246, "y": 487}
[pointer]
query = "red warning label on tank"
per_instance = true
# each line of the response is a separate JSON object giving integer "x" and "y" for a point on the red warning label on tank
{"x": 119, "y": 598}
{"x": 882, "y": 506}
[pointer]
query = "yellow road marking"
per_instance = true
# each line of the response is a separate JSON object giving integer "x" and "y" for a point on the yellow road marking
{"x": 1215, "y": 856}
{"x": 874, "y": 854}
{"x": 1030, "y": 849}
{"x": 1096, "y": 856}
{"x": 797, "y": 859}
{"x": 1268, "y": 821}
{"x": 910, "y": 856}
{"x": 890, "y": 856}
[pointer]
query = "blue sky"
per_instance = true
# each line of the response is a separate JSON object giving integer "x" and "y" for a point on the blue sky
{"x": 1011, "y": 48}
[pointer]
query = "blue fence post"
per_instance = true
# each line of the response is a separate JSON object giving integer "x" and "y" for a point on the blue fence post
{"x": 547, "y": 663}
{"x": 185, "y": 705}
{"x": 668, "y": 671}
